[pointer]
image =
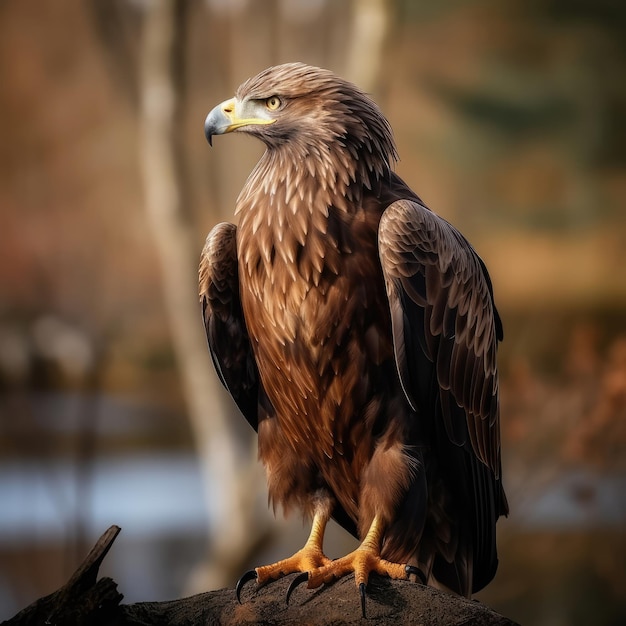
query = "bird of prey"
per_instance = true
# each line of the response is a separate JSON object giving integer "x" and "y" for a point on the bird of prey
{"x": 357, "y": 332}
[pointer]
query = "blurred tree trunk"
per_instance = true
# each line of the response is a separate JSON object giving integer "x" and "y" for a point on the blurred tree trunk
{"x": 368, "y": 31}
{"x": 229, "y": 479}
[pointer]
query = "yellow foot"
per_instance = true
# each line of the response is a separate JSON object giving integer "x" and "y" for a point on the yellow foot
{"x": 310, "y": 557}
{"x": 304, "y": 560}
{"x": 362, "y": 562}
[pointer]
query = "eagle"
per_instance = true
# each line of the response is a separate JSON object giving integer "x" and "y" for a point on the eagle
{"x": 356, "y": 331}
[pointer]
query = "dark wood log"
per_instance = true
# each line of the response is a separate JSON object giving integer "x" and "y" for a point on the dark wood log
{"x": 389, "y": 603}
{"x": 85, "y": 600}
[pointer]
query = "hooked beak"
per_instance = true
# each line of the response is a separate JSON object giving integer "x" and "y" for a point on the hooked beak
{"x": 224, "y": 118}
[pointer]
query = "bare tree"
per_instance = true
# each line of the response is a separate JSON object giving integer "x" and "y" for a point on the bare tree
{"x": 226, "y": 474}
{"x": 368, "y": 31}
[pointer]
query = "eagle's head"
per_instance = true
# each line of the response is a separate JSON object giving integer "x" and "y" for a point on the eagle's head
{"x": 306, "y": 111}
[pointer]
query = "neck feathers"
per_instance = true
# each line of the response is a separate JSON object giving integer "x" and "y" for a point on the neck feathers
{"x": 306, "y": 189}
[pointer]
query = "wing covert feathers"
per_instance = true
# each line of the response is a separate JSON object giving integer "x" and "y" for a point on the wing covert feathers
{"x": 441, "y": 304}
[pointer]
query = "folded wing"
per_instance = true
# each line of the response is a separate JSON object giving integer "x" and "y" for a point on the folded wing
{"x": 224, "y": 323}
{"x": 445, "y": 331}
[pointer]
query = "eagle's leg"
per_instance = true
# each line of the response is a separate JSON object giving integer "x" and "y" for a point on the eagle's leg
{"x": 310, "y": 557}
{"x": 362, "y": 561}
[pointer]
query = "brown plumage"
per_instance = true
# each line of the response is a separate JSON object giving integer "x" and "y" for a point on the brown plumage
{"x": 357, "y": 332}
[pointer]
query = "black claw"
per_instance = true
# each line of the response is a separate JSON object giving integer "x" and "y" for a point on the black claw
{"x": 416, "y": 571}
{"x": 296, "y": 582}
{"x": 249, "y": 575}
{"x": 362, "y": 593}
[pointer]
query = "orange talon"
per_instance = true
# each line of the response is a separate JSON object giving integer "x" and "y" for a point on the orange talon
{"x": 309, "y": 557}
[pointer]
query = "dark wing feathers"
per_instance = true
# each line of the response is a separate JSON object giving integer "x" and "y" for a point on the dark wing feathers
{"x": 433, "y": 271}
{"x": 445, "y": 331}
{"x": 224, "y": 323}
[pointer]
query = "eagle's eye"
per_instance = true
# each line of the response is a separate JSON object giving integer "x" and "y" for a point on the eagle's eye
{"x": 272, "y": 103}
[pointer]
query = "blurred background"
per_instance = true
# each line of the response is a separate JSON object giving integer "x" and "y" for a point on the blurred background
{"x": 510, "y": 122}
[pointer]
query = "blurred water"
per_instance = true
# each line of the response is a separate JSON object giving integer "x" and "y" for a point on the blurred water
{"x": 152, "y": 495}
{"x": 147, "y": 496}
{"x": 577, "y": 499}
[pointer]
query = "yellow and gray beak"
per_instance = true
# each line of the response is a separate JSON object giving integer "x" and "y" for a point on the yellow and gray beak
{"x": 231, "y": 115}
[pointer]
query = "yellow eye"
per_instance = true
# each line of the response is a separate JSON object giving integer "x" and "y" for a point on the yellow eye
{"x": 272, "y": 103}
